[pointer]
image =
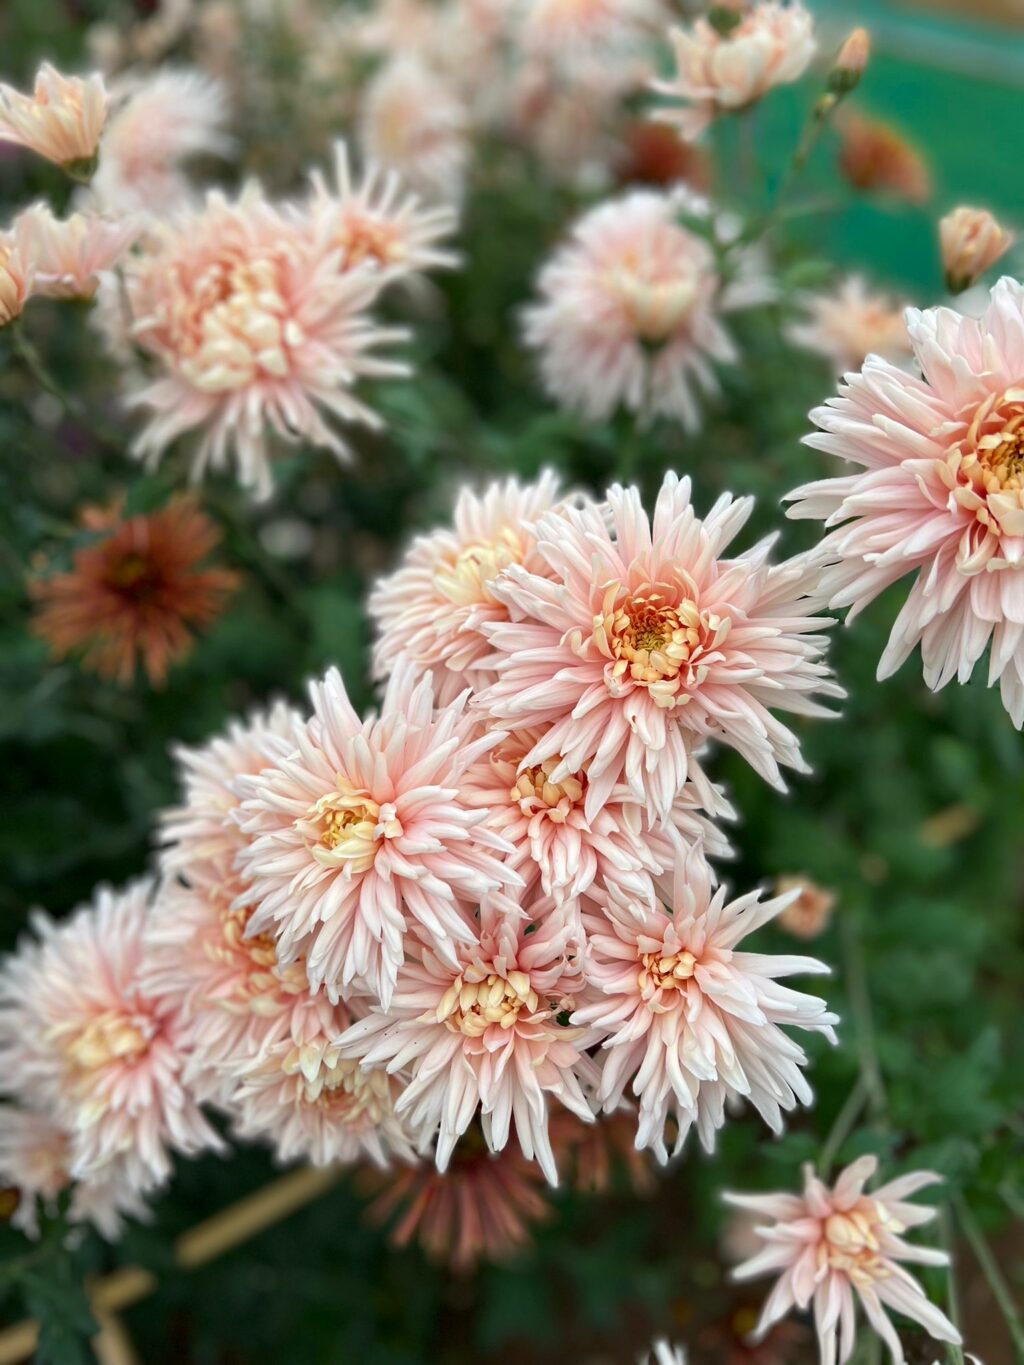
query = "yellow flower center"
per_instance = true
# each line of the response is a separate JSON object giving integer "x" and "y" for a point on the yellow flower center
{"x": 850, "y": 1242}
{"x": 477, "y": 999}
{"x": 113, "y": 1036}
{"x": 649, "y": 641}
{"x": 467, "y": 580}
{"x": 654, "y": 308}
{"x": 348, "y": 1093}
{"x": 664, "y": 971}
{"x": 345, "y": 827}
{"x": 534, "y": 791}
{"x": 985, "y": 469}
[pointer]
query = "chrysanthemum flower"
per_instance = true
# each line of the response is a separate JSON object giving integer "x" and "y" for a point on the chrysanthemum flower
{"x": 630, "y": 311}
{"x": 137, "y": 595}
{"x": 690, "y": 1020}
{"x": 571, "y": 27}
{"x": 432, "y": 609}
{"x": 253, "y": 328}
{"x": 413, "y": 122}
{"x": 81, "y": 1038}
{"x": 835, "y": 1246}
{"x": 375, "y": 220}
{"x": 716, "y": 72}
{"x": 15, "y": 279}
{"x": 158, "y": 122}
{"x": 642, "y": 642}
{"x": 70, "y": 255}
{"x": 940, "y": 491}
{"x": 873, "y": 156}
{"x": 489, "y": 1034}
{"x": 61, "y": 120}
{"x": 362, "y": 830}
{"x": 851, "y": 322}
{"x": 808, "y": 913}
{"x": 590, "y": 1154}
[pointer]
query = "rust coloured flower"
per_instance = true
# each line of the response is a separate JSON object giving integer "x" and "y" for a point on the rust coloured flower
{"x": 875, "y": 157}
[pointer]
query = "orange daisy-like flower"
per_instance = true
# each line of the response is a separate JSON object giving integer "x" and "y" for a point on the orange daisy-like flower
{"x": 875, "y": 157}
{"x": 136, "y": 596}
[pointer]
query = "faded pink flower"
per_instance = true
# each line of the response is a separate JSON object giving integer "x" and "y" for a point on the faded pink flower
{"x": 432, "y": 609}
{"x": 253, "y": 328}
{"x": 836, "y": 1246}
{"x": 851, "y": 322}
{"x": 413, "y": 122}
{"x": 61, "y": 120}
{"x": 972, "y": 240}
{"x": 630, "y": 310}
{"x": 81, "y": 1038}
{"x": 69, "y": 256}
{"x": 690, "y": 1022}
{"x": 488, "y": 1033}
{"x": 940, "y": 490}
{"x": 567, "y": 28}
{"x": 716, "y": 72}
{"x": 362, "y": 830}
{"x": 641, "y": 642}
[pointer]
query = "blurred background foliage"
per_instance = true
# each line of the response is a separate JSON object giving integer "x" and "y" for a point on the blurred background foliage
{"x": 913, "y": 814}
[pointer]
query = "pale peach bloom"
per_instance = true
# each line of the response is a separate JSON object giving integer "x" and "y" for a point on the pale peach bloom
{"x": 810, "y": 907}
{"x": 432, "y": 609}
{"x": 413, "y": 122}
{"x": 689, "y": 1021}
{"x": 15, "y": 279}
{"x": 836, "y": 1246}
{"x": 571, "y": 27}
{"x": 81, "y": 1038}
{"x": 938, "y": 491}
{"x": 253, "y": 329}
{"x": 158, "y": 123}
{"x": 69, "y": 256}
{"x": 772, "y": 44}
{"x": 487, "y": 1033}
{"x": 972, "y": 241}
{"x": 851, "y": 322}
{"x": 61, "y": 120}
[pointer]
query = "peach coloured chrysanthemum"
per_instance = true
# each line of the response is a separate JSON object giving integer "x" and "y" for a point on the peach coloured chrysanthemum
{"x": 361, "y": 833}
{"x": 643, "y": 641}
{"x": 413, "y": 122}
{"x": 836, "y": 1246}
{"x": 253, "y": 329}
{"x": 851, "y": 322}
{"x": 489, "y": 1034}
{"x": 939, "y": 491}
{"x": 630, "y": 311}
{"x": 136, "y": 596}
{"x": 15, "y": 279}
{"x": 70, "y": 255}
{"x": 431, "y": 610}
{"x": 80, "y": 1037}
{"x": 690, "y": 1021}
{"x": 157, "y": 124}
{"x": 972, "y": 240}
{"x": 873, "y": 156}
{"x": 61, "y": 120}
{"x": 718, "y": 72}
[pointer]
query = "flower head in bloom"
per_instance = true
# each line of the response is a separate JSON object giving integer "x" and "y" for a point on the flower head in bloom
{"x": 135, "y": 596}
{"x": 939, "y": 491}
{"x": 808, "y": 914}
{"x": 61, "y": 120}
{"x": 690, "y": 1020}
{"x": 716, "y": 72}
{"x": 81, "y": 1037}
{"x": 15, "y": 279}
{"x": 642, "y": 641}
{"x": 414, "y": 123}
{"x": 875, "y": 157}
{"x": 361, "y": 830}
{"x": 158, "y": 123}
{"x": 972, "y": 240}
{"x": 835, "y": 1246}
{"x": 432, "y": 609}
{"x": 69, "y": 256}
{"x": 851, "y": 322}
{"x": 489, "y": 1034}
{"x": 629, "y": 311}
{"x": 253, "y": 328}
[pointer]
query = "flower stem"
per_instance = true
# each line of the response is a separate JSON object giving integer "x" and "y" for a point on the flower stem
{"x": 954, "y": 1352}
{"x": 843, "y": 1125}
{"x": 860, "y": 1007}
{"x": 990, "y": 1268}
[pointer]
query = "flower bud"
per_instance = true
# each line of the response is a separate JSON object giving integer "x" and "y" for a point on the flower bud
{"x": 849, "y": 65}
{"x": 972, "y": 240}
{"x": 61, "y": 120}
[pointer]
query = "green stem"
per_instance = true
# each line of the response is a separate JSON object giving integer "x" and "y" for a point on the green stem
{"x": 954, "y": 1353}
{"x": 843, "y": 1125}
{"x": 990, "y": 1268}
{"x": 34, "y": 363}
{"x": 860, "y": 1007}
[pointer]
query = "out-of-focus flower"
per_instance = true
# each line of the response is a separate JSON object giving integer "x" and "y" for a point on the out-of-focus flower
{"x": 489, "y": 1033}
{"x": 874, "y": 156}
{"x": 362, "y": 830}
{"x": 69, "y": 256}
{"x": 641, "y": 642}
{"x": 113, "y": 46}
{"x": 940, "y": 490}
{"x": 689, "y": 1022}
{"x": 630, "y": 311}
{"x": 851, "y": 62}
{"x": 652, "y": 154}
{"x": 808, "y": 913}
{"x": 574, "y": 28}
{"x": 158, "y": 123}
{"x": 481, "y": 1209}
{"x": 972, "y": 240}
{"x": 772, "y": 44}
{"x": 588, "y": 1154}
{"x": 662, "y": 1352}
{"x": 80, "y": 1038}
{"x": 137, "y": 595}
{"x": 432, "y": 609}
{"x": 253, "y": 329}
{"x": 851, "y": 322}
{"x": 414, "y": 123}
{"x": 61, "y": 120}
{"x": 15, "y": 280}
{"x": 836, "y": 1246}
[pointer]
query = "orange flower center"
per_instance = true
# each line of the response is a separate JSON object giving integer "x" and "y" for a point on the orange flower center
{"x": 477, "y": 999}
{"x": 664, "y": 971}
{"x": 534, "y": 791}
{"x": 653, "y": 642}
{"x": 850, "y": 1242}
{"x": 346, "y": 826}
{"x": 985, "y": 469}
{"x": 363, "y": 238}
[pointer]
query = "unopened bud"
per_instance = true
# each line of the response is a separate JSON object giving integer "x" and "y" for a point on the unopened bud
{"x": 972, "y": 240}
{"x": 849, "y": 65}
